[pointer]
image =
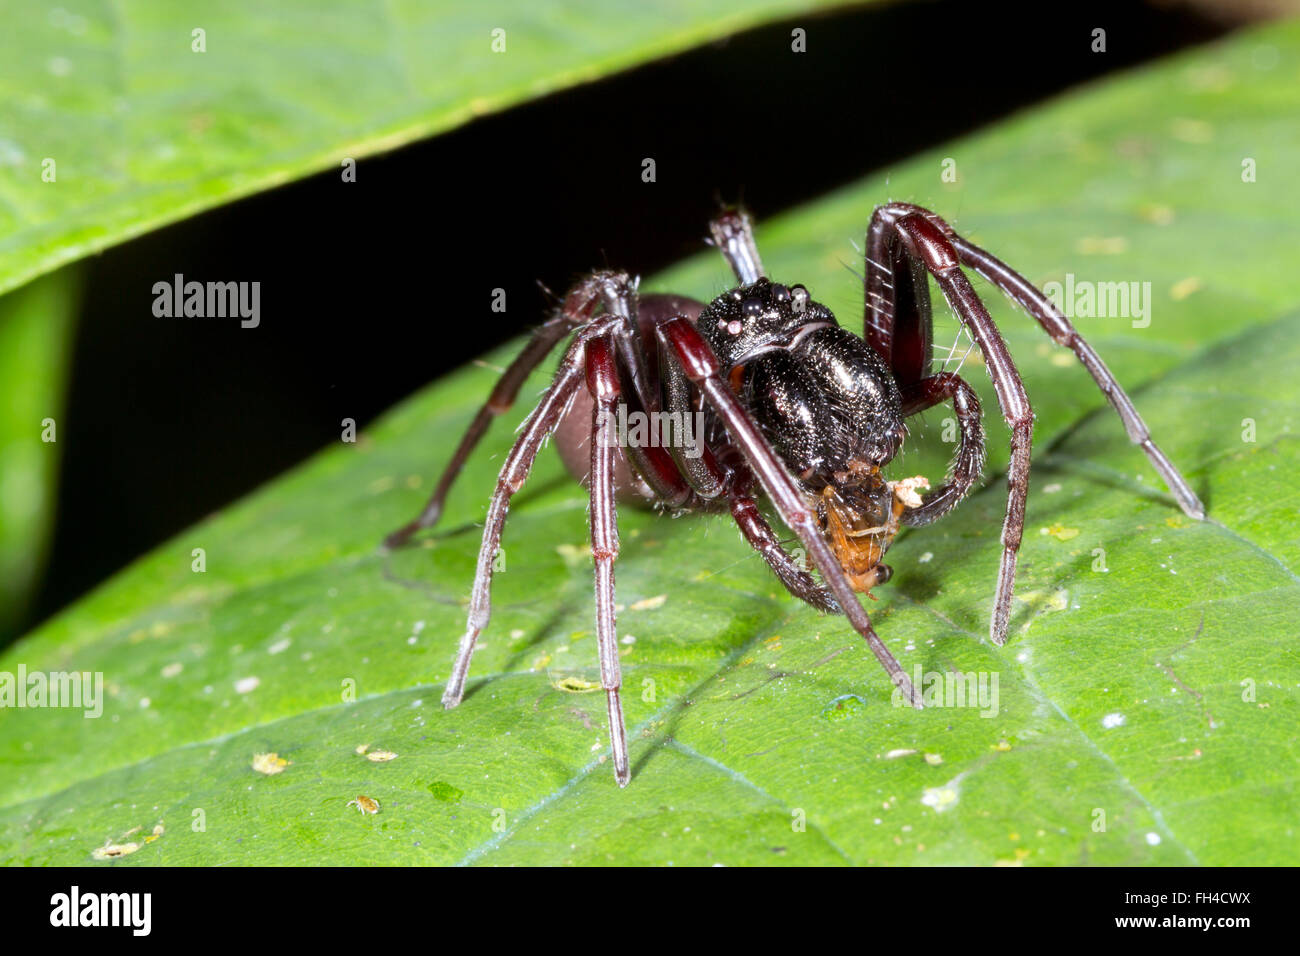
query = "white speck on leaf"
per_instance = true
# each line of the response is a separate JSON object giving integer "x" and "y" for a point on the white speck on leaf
{"x": 941, "y": 798}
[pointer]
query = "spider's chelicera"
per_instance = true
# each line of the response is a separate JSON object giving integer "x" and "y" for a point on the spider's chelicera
{"x": 794, "y": 406}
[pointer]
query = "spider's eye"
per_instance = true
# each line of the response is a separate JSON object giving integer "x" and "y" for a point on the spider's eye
{"x": 780, "y": 294}
{"x": 798, "y": 298}
{"x": 751, "y": 307}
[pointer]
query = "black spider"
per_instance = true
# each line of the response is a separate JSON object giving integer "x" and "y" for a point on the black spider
{"x": 791, "y": 403}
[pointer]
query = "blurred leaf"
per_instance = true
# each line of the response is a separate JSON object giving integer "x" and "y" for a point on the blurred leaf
{"x": 36, "y": 324}
{"x": 1160, "y": 692}
{"x": 143, "y": 131}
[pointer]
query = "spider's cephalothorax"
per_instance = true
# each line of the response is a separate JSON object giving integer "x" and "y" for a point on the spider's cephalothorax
{"x": 798, "y": 408}
{"x": 825, "y": 398}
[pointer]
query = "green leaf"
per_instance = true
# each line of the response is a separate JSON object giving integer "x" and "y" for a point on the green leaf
{"x": 1158, "y": 696}
{"x": 142, "y": 130}
{"x": 36, "y": 324}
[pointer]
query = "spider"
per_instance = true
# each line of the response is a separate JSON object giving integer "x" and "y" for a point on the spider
{"x": 794, "y": 406}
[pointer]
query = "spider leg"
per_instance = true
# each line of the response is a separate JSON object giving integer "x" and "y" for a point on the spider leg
{"x": 603, "y": 383}
{"x": 927, "y": 242}
{"x": 653, "y": 464}
{"x": 578, "y": 306}
{"x": 701, "y": 366}
{"x": 701, "y": 470}
{"x": 968, "y": 460}
{"x": 733, "y": 233}
{"x": 898, "y": 323}
{"x": 1038, "y": 305}
{"x": 514, "y": 473}
{"x": 897, "y": 320}
{"x": 761, "y": 537}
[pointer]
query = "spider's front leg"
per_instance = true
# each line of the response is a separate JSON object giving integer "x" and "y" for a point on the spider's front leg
{"x": 1063, "y": 332}
{"x": 901, "y": 242}
{"x": 906, "y": 241}
{"x": 692, "y": 353}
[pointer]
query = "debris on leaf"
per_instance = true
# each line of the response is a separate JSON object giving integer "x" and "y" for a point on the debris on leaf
{"x": 1184, "y": 287}
{"x": 367, "y": 805}
{"x": 844, "y": 707}
{"x": 269, "y": 764}
{"x": 246, "y": 685}
{"x": 381, "y": 756}
{"x": 941, "y": 798}
{"x": 575, "y": 685}
{"x": 111, "y": 851}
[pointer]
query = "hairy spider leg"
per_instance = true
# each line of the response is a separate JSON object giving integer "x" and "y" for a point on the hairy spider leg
{"x": 603, "y": 384}
{"x": 919, "y": 238}
{"x": 514, "y": 472}
{"x": 898, "y": 322}
{"x": 933, "y": 246}
{"x": 578, "y": 306}
{"x": 1041, "y": 308}
{"x": 690, "y": 350}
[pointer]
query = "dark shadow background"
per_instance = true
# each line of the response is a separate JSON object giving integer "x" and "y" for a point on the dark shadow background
{"x": 372, "y": 289}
